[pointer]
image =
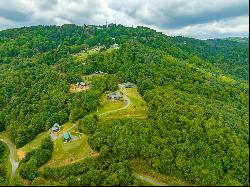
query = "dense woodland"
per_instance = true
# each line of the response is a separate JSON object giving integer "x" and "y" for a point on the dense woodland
{"x": 197, "y": 93}
{"x": 3, "y": 166}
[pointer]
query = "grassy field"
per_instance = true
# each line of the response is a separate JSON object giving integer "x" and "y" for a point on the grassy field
{"x": 137, "y": 109}
{"x": 108, "y": 105}
{"x": 67, "y": 153}
{"x": 92, "y": 77}
{"x": 21, "y": 152}
{"x": 64, "y": 153}
{"x": 80, "y": 57}
{"x": 144, "y": 169}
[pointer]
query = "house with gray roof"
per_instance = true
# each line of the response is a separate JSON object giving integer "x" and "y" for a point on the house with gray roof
{"x": 115, "y": 95}
{"x": 56, "y": 127}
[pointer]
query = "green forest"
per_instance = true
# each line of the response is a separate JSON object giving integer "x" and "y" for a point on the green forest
{"x": 196, "y": 91}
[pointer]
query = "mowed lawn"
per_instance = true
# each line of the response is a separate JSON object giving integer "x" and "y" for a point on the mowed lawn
{"x": 108, "y": 105}
{"x": 21, "y": 152}
{"x": 63, "y": 153}
{"x": 36, "y": 143}
{"x": 70, "y": 152}
{"x": 137, "y": 109}
{"x": 67, "y": 153}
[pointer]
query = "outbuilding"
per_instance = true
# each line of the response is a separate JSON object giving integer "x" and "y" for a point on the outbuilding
{"x": 56, "y": 127}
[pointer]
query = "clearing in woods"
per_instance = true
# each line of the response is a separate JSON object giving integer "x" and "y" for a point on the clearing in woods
{"x": 63, "y": 153}
{"x": 70, "y": 152}
{"x": 21, "y": 152}
{"x": 74, "y": 89}
{"x": 135, "y": 107}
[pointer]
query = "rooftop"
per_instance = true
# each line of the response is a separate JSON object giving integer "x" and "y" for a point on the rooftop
{"x": 66, "y": 135}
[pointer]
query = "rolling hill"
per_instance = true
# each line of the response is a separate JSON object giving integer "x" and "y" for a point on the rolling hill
{"x": 188, "y": 120}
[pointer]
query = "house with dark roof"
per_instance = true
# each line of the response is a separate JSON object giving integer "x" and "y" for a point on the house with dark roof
{"x": 129, "y": 85}
{"x": 56, "y": 127}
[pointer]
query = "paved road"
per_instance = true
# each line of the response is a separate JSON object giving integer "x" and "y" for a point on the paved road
{"x": 14, "y": 164}
{"x": 127, "y": 104}
{"x": 155, "y": 183}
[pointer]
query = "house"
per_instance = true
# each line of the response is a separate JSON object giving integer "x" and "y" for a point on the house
{"x": 98, "y": 48}
{"x": 100, "y": 72}
{"x": 115, "y": 46}
{"x": 115, "y": 95}
{"x": 66, "y": 137}
{"x": 129, "y": 85}
{"x": 55, "y": 127}
{"x": 81, "y": 84}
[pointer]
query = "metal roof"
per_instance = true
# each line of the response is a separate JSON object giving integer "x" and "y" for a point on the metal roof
{"x": 66, "y": 135}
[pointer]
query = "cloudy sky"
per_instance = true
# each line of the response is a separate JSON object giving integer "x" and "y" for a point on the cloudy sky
{"x": 193, "y": 18}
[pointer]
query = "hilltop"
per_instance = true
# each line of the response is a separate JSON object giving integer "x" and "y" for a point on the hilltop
{"x": 184, "y": 121}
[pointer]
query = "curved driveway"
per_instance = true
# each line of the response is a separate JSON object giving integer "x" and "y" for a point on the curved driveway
{"x": 127, "y": 104}
{"x": 14, "y": 164}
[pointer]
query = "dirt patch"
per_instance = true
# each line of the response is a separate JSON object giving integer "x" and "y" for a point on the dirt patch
{"x": 95, "y": 154}
{"x": 75, "y": 89}
{"x": 21, "y": 154}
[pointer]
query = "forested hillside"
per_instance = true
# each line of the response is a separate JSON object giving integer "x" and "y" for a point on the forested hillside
{"x": 196, "y": 91}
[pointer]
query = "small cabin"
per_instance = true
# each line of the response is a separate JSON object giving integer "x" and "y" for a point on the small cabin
{"x": 66, "y": 137}
{"x": 56, "y": 127}
{"x": 115, "y": 46}
{"x": 81, "y": 84}
{"x": 115, "y": 96}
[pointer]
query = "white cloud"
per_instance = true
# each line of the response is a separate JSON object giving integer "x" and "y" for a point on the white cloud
{"x": 238, "y": 26}
{"x": 194, "y": 18}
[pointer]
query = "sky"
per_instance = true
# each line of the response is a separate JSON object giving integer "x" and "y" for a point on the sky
{"x": 200, "y": 19}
